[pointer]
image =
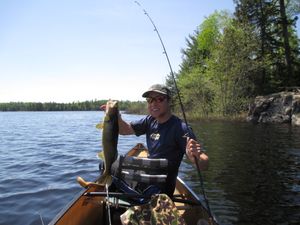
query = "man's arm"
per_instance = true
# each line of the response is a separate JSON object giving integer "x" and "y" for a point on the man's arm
{"x": 193, "y": 150}
{"x": 124, "y": 127}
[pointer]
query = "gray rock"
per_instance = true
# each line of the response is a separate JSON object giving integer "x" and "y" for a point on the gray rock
{"x": 282, "y": 107}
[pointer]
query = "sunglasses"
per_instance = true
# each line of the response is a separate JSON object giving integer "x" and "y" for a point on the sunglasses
{"x": 158, "y": 99}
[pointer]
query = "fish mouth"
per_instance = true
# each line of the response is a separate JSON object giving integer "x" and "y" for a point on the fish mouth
{"x": 111, "y": 107}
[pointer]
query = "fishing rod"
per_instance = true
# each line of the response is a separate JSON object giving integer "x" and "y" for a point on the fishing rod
{"x": 180, "y": 102}
{"x": 108, "y": 204}
{"x": 166, "y": 54}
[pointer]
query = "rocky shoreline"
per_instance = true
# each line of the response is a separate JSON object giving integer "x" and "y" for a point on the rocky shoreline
{"x": 282, "y": 107}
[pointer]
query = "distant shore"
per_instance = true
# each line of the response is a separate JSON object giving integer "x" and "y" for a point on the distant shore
{"x": 137, "y": 107}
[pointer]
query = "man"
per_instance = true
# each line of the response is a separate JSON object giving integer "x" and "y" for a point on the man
{"x": 167, "y": 136}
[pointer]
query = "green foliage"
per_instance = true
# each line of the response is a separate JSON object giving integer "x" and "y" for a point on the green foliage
{"x": 210, "y": 31}
{"x": 273, "y": 21}
{"x": 231, "y": 59}
{"x": 196, "y": 91}
{"x": 137, "y": 107}
{"x": 222, "y": 83}
{"x": 231, "y": 70}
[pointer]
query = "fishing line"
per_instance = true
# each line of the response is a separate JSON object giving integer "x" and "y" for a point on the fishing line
{"x": 180, "y": 102}
{"x": 166, "y": 54}
{"x": 41, "y": 218}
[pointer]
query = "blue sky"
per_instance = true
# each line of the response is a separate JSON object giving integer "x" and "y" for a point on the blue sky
{"x": 77, "y": 50}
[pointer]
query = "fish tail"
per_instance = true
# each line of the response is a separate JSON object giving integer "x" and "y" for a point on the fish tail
{"x": 82, "y": 182}
{"x": 87, "y": 184}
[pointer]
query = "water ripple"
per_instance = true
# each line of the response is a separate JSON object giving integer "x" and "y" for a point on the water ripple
{"x": 253, "y": 176}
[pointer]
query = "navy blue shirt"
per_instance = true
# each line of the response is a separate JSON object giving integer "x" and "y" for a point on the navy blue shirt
{"x": 165, "y": 140}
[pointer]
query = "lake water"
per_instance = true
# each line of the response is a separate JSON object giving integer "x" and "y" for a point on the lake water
{"x": 253, "y": 178}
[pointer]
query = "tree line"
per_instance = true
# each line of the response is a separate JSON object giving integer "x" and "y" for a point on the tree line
{"x": 231, "y": 58}
{"x": 136, "y": 107}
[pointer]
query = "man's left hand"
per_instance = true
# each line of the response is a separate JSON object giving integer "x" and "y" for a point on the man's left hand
{"x": 193, "y": 149}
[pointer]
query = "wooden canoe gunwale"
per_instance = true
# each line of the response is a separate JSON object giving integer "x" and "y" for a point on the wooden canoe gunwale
{"x": 72, "y": 203}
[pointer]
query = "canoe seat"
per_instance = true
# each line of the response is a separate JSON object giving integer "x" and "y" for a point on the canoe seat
{"x": 141, "y": 170}
{"x": 140, "y": 176}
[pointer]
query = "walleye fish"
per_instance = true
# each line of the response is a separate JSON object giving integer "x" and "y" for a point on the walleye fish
{"x": 110, "y": 134}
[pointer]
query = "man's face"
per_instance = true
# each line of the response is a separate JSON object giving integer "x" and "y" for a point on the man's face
{"x": 158, "y": 105}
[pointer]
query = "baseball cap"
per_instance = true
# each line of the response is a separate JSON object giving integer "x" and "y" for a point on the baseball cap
{"x": 157, "y": 88}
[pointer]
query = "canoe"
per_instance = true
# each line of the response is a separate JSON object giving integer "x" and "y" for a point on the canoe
{"x": 93, "y": 210}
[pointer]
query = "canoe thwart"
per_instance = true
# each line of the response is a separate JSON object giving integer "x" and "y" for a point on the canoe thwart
{"x": 132, "y": 195}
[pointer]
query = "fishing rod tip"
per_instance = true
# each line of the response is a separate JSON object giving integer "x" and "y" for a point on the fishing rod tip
{"x": 136, "y": 2}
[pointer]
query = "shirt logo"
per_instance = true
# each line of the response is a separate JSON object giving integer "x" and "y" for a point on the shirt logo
{"x": 155, "y": 137}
